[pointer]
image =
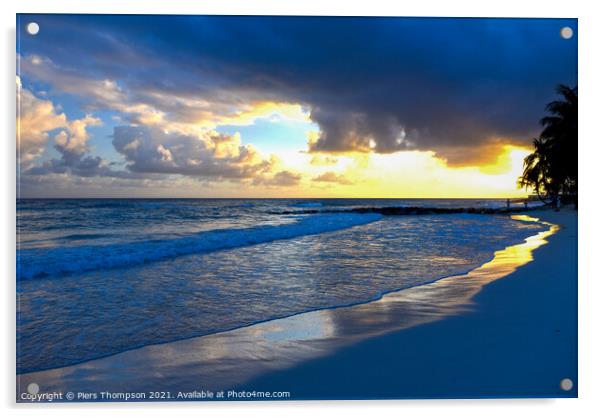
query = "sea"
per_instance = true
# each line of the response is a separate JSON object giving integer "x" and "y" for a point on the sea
{"x": 96, "y": 277}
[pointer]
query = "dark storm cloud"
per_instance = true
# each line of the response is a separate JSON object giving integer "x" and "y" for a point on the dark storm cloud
{"x": 454, "y": 86}
{"x": 78, "y": 163}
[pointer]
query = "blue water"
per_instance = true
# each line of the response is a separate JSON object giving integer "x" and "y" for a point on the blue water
{"x": 97, "y": 277}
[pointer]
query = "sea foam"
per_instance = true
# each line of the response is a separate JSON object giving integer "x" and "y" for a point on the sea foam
{"x": 41, "y": 263}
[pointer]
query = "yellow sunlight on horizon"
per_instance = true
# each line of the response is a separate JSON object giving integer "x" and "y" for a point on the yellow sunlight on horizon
{"x": 410, "y": 174}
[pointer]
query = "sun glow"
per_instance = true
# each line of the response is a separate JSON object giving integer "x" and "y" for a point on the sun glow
{"x": 410, "y": 174}
{"x": 267, "y": 109}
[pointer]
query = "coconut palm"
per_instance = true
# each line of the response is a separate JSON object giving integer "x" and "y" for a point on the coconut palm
{"x": 551, "y": 170}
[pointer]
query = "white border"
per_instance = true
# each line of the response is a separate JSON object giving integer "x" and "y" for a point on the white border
{"x": 590, "y": 204}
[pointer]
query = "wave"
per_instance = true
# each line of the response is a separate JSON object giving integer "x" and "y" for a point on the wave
{"x": 275, "y": 315}
{"x": 308, "y": 204}
{"x": 41, "y": 263}
{"x": 85, "y": 236}
{"x": 242, "y": 205}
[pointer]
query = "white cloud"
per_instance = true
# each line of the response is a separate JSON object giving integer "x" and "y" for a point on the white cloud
{"x": 279, "y": 179}
{"x": 76, "y": 141}
{"x": 333, "y": 178}
{"x": 35, "y": 118}
{"x": 208, "y": 154}
{"x": 163, "y": 134}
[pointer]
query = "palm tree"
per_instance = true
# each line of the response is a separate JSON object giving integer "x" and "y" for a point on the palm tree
{"x": 551, "y": 170}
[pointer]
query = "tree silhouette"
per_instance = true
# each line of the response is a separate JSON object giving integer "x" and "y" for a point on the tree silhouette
{"x": 551, "y": 170}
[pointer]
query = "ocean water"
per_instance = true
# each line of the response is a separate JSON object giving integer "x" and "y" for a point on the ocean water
{"x": 98, "y": 277}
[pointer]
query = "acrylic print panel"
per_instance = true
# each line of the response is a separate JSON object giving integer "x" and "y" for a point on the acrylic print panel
{"x": 285, "y": 208}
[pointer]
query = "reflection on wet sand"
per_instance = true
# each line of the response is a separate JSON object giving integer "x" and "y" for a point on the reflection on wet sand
{"x": 224, "y": 360}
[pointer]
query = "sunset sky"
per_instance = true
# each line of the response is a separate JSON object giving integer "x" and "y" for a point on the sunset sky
{"x": 201, "y": 106}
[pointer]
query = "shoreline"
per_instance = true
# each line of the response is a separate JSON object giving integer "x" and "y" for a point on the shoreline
{"x": 378, "y": 297}
{"x": 278, "y": 347}
{"x": 519, "y": 341}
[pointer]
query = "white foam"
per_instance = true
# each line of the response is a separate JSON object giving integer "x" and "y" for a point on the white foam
{"x": 39, "y": 263}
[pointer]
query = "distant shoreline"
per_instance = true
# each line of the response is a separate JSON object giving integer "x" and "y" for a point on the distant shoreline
{"x": 403, "y": 211}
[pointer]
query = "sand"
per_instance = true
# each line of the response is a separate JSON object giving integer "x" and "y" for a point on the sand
{"x": 519, "y": 341}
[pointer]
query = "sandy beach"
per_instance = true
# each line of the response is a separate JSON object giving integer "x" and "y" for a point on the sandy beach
{"x": 291, "y": 207}
{"x": 501, "y": 330}
{"x": 518, "y": 341}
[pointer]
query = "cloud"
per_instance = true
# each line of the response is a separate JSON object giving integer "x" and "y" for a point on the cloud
{"x": 208, "y": 154}
{"x": 71, "y": 143}
{"x": 35, "y": 118}
{"x": 373, "y": 85}
{"x": 148, "y": 148}
{"x": 248, "y": 113}
{"x": 77, "y": 165}
{"x": 74, "y": 139}
{"x": 99, "y": 94}
{"x": 151, "y": 107}
{"x": 279, "y": 179}
{"x": 333, "y": 178}
{"x": 323, "y": 160}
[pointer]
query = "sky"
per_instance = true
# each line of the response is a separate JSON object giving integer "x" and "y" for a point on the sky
{"x": 264, "y": 106}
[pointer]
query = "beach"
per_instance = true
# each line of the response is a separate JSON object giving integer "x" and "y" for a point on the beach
{"x": 504, "y": 329}
{"x": 519, "y": 341}
{"x": 296, "y": 207}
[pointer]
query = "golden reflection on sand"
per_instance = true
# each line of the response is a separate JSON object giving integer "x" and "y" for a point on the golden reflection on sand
{"x": 223, "y": 360}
